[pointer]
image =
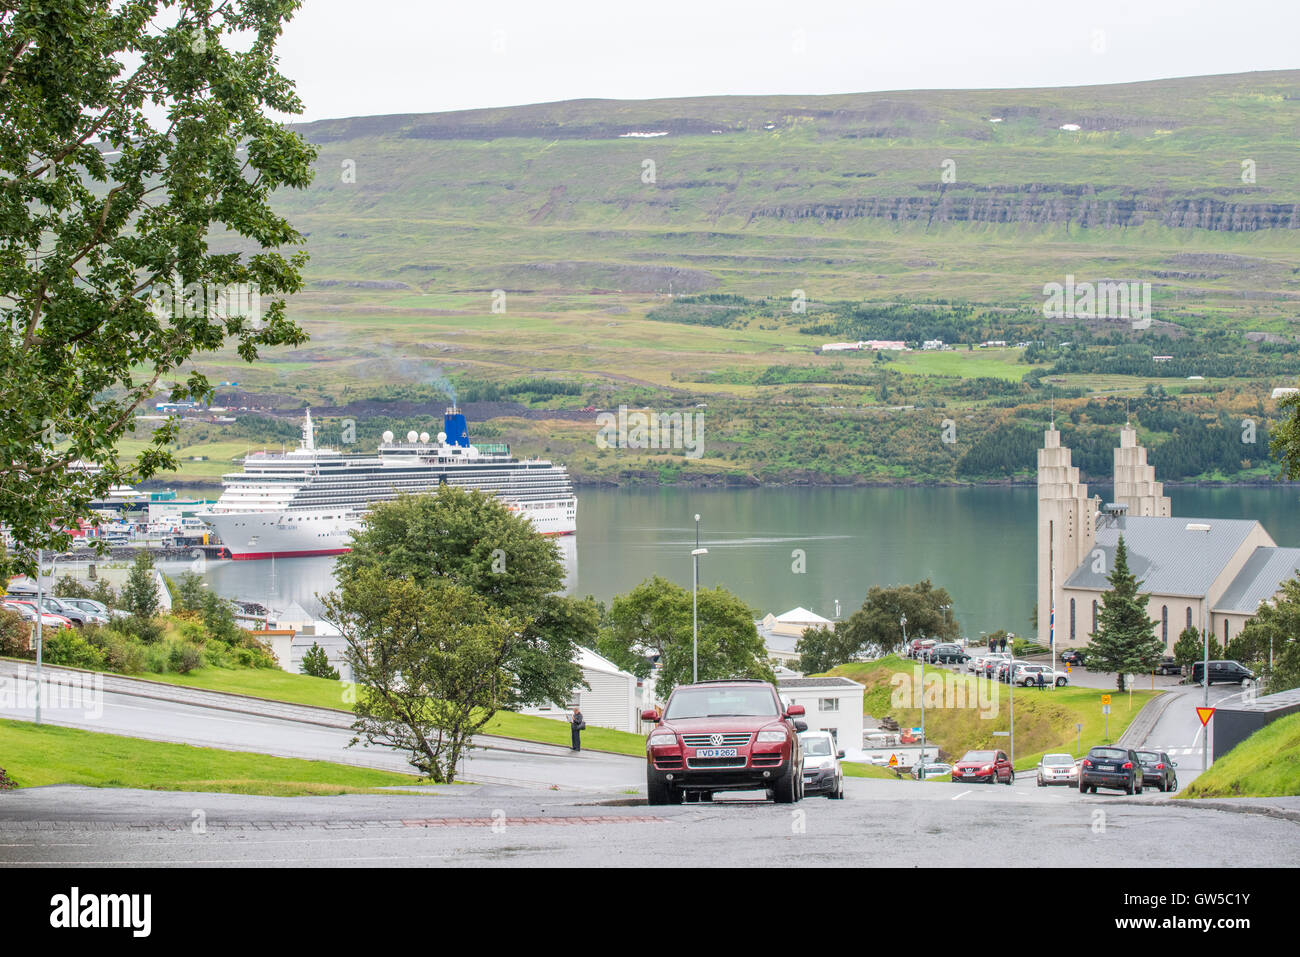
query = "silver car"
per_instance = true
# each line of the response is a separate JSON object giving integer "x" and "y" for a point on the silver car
{"x": 822, "y": 773}
{"x": 1058, "y": 769}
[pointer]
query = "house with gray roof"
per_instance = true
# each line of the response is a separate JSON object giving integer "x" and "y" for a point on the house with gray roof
{"x": 1197, "y": 572}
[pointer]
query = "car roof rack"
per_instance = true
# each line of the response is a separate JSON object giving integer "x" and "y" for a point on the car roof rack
{"x": 730, "y": 681}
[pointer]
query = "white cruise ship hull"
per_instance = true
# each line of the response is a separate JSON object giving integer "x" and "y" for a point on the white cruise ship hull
{"x": 299, "y": 533}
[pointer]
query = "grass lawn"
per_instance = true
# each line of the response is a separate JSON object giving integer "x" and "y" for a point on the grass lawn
{"x": 277, "y": 685}
{"x": 37, "y": 755}
{"x": 1264, "y": 765}
{"x": 854, "y": 770}
{"x": 1045, "y": 720}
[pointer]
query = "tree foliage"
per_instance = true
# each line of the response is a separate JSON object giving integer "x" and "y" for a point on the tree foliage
{"x": 134, "y": 137}
{"x": 1125, "y": 640}
{"x": 654, "y": 620}
{"x": 140, "y": 593}
{"x": 316, "y": 662}
{"x": 1279, "y": 622}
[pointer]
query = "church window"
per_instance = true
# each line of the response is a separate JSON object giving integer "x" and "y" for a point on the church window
{"x": 1164, "y": 624}
{"x": 1072, "y": 619}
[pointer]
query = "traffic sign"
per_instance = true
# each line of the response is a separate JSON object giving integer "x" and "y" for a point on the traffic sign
{"x": 1105, "y": 699}
{"x": 1105, "y": 709}
{"x": 1204, "y": 714}
{"x": 893, "y": 760}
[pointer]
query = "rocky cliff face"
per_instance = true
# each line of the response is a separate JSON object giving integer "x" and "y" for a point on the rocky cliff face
{"x": 1046, "y": 204}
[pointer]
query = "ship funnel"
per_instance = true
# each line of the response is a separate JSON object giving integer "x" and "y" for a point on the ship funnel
{"x": 308, "y": 433}
{"x": 453, "y": 423}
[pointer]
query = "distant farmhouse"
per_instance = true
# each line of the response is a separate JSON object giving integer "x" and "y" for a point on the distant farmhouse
{"x": 1231, "y": 567}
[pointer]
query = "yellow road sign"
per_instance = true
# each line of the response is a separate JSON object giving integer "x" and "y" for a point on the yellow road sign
{"x": 1105, "y": 699}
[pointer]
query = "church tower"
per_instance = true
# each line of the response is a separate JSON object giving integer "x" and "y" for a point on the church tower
{"x": 1067, "y": 530}
{"x": 1135, "y": 481}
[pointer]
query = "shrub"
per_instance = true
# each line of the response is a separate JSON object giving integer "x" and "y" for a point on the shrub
{"x": 15, "y": 636}
{"x": 124, "y": 654}
{"x": 147, "y": 630}
{"x": 184, "y": 656}
{"x": 6, "y": 782}
{"x": 67, "y": 647}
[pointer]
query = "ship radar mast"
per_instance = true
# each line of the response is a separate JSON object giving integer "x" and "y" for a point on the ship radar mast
{"x": 308, "y": 433}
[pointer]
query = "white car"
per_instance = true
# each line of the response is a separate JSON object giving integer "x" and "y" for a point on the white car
{"x": 925, "y": 772}
{"x": 822, "y": 773}
{"x": 1027, "y": 675}
{"x": 1058, "y": 769}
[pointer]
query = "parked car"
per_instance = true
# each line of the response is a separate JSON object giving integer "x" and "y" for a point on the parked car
{"x": 1107, "y": 767}
{"x": 1224, "y": 672}
{"x": 977, "y": 663}
{"x": 28, "y": 610}
{"x": 1074, "y": 656}
{"x": 1006, "y": 667}
{"x": 822, "y": 773}
{"x": 97, "y": 608}
{"x": 1057, "y": 769}
{"x": 992, "y": 661}
{"x": 925, "y": 772}
{"x": 732, "y": 735}
{"x": 984, "y": 767}
{"x": 61, "y": 606}
{"x": 948, "y": 653}
{"x": 1027, "y": 675}
{"x": 1158, "y": 771}
{"x": 1169, "y": 666}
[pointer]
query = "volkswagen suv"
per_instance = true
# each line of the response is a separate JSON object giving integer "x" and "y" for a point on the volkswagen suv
{"x": 732, "y": 735}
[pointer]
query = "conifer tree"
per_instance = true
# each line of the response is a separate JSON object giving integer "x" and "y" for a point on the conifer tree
{"x": 1125, "y": 641}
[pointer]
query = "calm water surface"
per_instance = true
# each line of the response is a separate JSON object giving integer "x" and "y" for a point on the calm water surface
{"x": 979, "y": 543}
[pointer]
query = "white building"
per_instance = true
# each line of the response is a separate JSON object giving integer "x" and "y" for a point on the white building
{"x": 842, "y": 347}
{"x": 930, "y": 345}
{"x": 830, "y": 704}
{"x": 781, "y": 632}
{"x": 1283, "y": 392}
{"x": 612, "y": 701}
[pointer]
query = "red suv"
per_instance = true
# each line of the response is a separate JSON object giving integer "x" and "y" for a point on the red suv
{"x": 732, "y": 735}
{"x": 984, "y": 767}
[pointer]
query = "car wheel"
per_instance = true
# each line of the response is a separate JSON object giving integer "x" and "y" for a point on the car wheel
{"x": 1040, "y": 782}
{"x": 1083, "y": 788}
{"x": 1060, "y": 682}
{"x": 1140, "y": 785}
{"x": 658, "y": 791}
{"x": 786, "y": 790}
{"x": 1173, "y": 785}
{"x": 1011, "y": 778}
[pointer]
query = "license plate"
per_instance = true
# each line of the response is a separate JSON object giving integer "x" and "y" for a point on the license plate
{"x": 716, "y": 753}
{"x": 1105, "y": 767}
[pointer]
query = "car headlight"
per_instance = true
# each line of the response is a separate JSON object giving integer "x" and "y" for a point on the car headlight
{"x": 771, "y": 737}
{"x": 663, "y": 740}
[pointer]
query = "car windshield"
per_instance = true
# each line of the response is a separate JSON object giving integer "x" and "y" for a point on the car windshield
{"x": 980, "y": 756}
{"x": 818, "y": 747}
{"x": 1058, "y": 759}
{"x": 1110, "y": 753}
{"x": 1150, "y": 756}
{"x": 721, "y": 703}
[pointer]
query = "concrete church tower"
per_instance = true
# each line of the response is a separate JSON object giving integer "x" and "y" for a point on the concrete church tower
{"x": 1067, "y": 527}
{"x": 1135, "y": 481}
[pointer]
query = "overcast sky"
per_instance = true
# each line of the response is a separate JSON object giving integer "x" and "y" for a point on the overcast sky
{"x": 354, "y": 58}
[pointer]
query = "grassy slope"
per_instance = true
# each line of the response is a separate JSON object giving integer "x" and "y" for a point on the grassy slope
{"x": 1045, "y": 720}
{"x": 37, "y": 755}
{"x": 1267, "y": 764}
{"x": 278, "y": 685}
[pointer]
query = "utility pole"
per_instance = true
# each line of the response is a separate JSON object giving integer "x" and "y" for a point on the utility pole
{"x": 695, "y": 614}
{"x": 1205, "y": 632}
{"x": 40, "y": 615}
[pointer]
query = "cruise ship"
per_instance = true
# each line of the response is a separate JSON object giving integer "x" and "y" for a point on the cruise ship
{"x": 309, "y": 501}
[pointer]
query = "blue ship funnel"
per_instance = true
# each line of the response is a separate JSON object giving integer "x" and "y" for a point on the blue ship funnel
{"x": 453, "y": 423}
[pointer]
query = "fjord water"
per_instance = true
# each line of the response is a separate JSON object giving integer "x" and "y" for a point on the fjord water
{"x": 979, "y": 543}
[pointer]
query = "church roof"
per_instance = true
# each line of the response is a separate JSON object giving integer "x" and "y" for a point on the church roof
{"x": 1259, "y": 579}
{"x": 1166, "y": 558}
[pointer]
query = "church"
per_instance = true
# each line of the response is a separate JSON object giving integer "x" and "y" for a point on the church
{"x": 1190, "y": 567}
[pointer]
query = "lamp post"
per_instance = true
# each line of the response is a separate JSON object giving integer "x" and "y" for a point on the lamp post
{"x": 697, "y": 529}
{"x": 1205, "y": 633}
{"x": 40, "y": 616}
{"x": 1011, "y": 686}
{"x": 695, "y": 613}
{"x": 902, "y": 623}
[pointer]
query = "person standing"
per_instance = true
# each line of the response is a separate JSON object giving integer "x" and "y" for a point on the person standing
{"x": 576, "y": 726}
{"x": 1002, "y": 644}
{"x": 993, "y": 645}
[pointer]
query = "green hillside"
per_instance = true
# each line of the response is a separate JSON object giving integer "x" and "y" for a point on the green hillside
{"x": 709, "y": 264}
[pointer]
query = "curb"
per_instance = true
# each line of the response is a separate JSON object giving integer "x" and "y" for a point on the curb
{"x": 1209, "y": 804}
{"x": 1147, "y": 719}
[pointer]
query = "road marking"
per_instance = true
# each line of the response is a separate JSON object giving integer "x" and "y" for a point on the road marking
{"x": 960, "y": 795}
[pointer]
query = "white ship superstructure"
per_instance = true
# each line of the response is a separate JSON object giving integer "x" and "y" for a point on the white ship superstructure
{"x": 309, "y": 501}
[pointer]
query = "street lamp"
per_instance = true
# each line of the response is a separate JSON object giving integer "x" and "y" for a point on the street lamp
{"x": 1205, "y": 632}
{"x": 695, "y": 614}
{"x": 40, "y": 617}
{"x": 1011, "y": 686}
{"x": 697, "y": 530}
{"x": 902, "y": 622}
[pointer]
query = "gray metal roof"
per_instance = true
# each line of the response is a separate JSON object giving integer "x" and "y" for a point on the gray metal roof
{"x": 1268, "y": 702}
{"x": 1166, "y": 558}
{"x": 1259, "y": 579}
{"x": 827, "y": 682}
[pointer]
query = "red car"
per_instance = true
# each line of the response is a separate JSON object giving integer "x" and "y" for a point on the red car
{"x": 984, "y": 767}
{"x": 732, "y": 735}
{"x": 28, "y": 610}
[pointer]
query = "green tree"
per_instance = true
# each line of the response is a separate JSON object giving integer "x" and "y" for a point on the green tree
{"x": 1125, "y": 640}
{"x": 431, "y": 660}
{"x": 316, "y": 662}
{"x": 875, "y": 629}
{"x": 471, "y": 539}
{"x": 188, "y": 593}
{"x": 821, "y": 649}
{"x": 654, "y": 621}
{"x": 140, "y": 593}
{"x": 1189, "y": 647}
{"x": 1277, "y": 622}
{"x": 134, "y": 135}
